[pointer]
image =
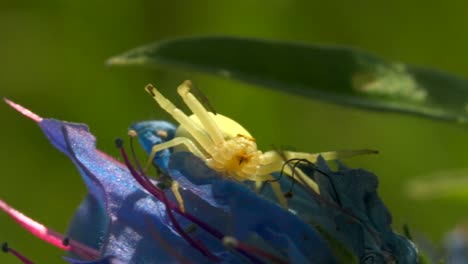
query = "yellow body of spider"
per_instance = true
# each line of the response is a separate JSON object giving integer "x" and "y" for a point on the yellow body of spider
{"x": 230, "y": 149}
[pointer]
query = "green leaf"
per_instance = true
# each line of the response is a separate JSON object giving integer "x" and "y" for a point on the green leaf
{"x": 450, "y": 185}
{"x": 332, "y": 73}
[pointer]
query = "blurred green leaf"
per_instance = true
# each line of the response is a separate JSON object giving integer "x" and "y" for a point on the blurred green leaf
{"x": 336, "y": 74}
{"x": 423, "y": 259}
{"x": 451, "y": 185}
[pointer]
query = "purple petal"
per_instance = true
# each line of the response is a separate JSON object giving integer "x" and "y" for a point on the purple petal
{"x": 130, "y": 209}
{"x": 106, "y": 260}
{"x": 253, "y": 214}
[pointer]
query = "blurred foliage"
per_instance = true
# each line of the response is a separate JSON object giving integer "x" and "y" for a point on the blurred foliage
{"x": 53, "y": 55}
{"x": 337, "y": 74}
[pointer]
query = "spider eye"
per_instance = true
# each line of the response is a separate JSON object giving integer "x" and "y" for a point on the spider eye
{"x": 243, "y": 159}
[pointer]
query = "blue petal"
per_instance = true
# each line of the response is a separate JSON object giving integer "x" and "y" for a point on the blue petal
{"x": 253, "y": 214}
{"x": 349, "y": 209}
{"x": 193, "y": 173}
{"x": 179, "y": 165}
{"x": 89, "y": 224}
{"x": 193, "y": 168}
{"x": 106, "y": 260}
{"x": 53, "y": 130}
{"x": 130, "y": 210}
{"x": 125, "y": 214}
{"x": 360, "y": 218}
{"x": 148, "y": 137}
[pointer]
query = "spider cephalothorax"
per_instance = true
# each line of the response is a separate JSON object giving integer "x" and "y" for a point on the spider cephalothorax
{"x": 228, "y": 148}
{"x": 237, "y": 157}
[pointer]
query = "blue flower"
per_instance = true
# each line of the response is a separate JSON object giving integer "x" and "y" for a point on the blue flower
{"x": 456, "y": 245}
{"x": 128, "y": 217}
{"x": 348, "y": 213}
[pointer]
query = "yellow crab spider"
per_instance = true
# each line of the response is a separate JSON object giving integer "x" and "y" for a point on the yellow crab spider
{"x": 228, "y": 148}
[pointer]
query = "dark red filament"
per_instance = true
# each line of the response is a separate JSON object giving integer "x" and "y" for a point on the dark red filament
{"x": 145, "y": 182}
{"x": 261, "y": 253}
{"x": 7, "y": 249}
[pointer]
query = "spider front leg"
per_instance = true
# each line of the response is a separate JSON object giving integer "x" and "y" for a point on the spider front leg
{"x": 276, "y": 164}
{"x": 209, "y": 124}
{"x": 198, "y": 133}
{"x": 177, "y": 195}
{"x": 171, "y": 143}
{"x": 273, "y": 161}
{"x": 259, "y": 180}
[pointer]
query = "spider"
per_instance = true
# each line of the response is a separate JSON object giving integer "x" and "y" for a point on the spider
{"x": 229, "y": 149}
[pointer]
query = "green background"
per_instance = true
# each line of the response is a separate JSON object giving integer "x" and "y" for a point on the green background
{"x": 52, "y": 57}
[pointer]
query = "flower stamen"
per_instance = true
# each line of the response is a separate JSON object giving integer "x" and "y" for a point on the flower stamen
{"x": 7, "y": 249}
{"x": 232, "y": 242}
{"x": 132, "y": 134}
{"x": 250, "y": 252}
{"x": 144, "y": 181}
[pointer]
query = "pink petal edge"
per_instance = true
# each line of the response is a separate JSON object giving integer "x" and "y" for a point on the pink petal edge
{"x": 48, "y": 235}
{"x": 110, "y": 158}
{"x": 28, "y": 113}
{"x": 23, "y": 110}
{"x": 35, "y": 228}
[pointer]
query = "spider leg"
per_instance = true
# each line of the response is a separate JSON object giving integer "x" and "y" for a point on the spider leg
{"x": 274, "y": 185}
{"x": 199, "y": 111}
{"x": 171, "y": 143}
{"x": 178, "y": 196}
{"x": 198, "y": 133}
{"x": 274, "y": 162}
{"x": 329, "y": 155}
{"x": 270, "y": 158}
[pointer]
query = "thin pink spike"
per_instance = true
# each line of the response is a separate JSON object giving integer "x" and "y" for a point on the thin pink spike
{"x": 34, "y": 227}
{"x": 23, "y": 110}
{"x": 37, "y": 118}
{"x": 48, "y": 235}
{"x": 110, "y": 158}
